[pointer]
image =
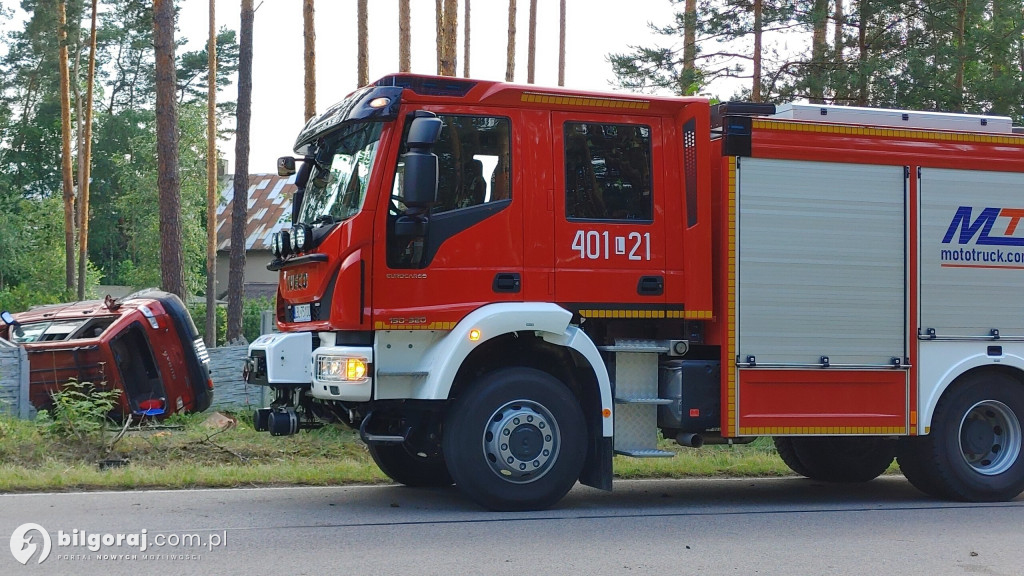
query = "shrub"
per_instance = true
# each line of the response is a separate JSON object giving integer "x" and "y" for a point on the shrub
{"x": 252, "y": 311}
{"x": 198, "y": 312}
{"x": 79, "y": 416}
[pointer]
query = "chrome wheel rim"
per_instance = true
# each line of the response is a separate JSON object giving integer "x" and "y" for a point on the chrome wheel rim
{"x": 521, "y": 441}
{"x": 990, "y": 437}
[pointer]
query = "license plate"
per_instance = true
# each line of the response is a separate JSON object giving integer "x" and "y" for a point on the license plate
{"x": 301, "y": 313}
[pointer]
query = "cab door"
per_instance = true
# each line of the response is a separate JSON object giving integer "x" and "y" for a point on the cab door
{"x": 437, "y": 264}
{"x": 609, "y": 217}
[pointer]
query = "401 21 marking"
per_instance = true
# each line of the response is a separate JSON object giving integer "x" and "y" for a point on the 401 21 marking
{"x": 594, "y": 245}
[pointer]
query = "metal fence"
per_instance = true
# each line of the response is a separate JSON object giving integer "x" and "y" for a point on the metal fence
{"x": 14, "y": 381}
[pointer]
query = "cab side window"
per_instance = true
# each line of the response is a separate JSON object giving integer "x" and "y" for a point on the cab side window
{"x": 473, "y": 154}
{"x": 607, "y": 171}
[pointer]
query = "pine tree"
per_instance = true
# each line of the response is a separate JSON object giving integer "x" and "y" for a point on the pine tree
{"x": 531, "y": 52}
{"x": 85, "y": 152}
{"x": 172, "y": 259}
{"x": 309, "y": 59}
{"x": 510, "y": 52}
{"x": 404, "y": 37}
{"x": 363, "y": 52}
{"x": 210, "y": 329}
{"x": 240, "y": 199}
{"x": 66, "y": 169}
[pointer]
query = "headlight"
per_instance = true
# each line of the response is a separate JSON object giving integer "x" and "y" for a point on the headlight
{"x": 286, "y": 244}
{"x": 301, "y": 237}
{"x": 275, "y": 245}
{"x": 341, "y": 369}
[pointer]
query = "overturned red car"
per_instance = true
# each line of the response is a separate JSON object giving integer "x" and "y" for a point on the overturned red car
{"x": 145, "y": 345}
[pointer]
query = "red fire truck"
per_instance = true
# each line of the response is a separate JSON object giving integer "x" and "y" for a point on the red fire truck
{"x": 503, "y": 286}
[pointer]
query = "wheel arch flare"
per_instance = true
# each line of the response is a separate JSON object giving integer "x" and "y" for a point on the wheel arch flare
{"x": 447, "y": 353}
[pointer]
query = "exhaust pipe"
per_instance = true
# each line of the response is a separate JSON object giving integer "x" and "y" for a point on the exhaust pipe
{"x": 690, "y": 439}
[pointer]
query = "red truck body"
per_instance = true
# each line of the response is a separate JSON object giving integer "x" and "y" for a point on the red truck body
{"x": 473, "y": 264}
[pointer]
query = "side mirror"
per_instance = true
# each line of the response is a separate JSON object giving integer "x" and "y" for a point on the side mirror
{"x": 419, "y": 187}
{"x": 8, "y": 318}
{"x": 423, "y": 132}
{"x": 420, "y": 182}
{"x": 300, "y": 182}
{"x": 285, "y": 166}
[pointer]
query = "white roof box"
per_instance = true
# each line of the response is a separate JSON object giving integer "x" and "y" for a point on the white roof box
{"x": 896, "y": 118}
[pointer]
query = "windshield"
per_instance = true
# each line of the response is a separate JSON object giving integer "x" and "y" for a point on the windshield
{"x": 338, "y": 182}
{"x": 46, "y": 331}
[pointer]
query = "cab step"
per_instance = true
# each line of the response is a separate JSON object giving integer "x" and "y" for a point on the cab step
{"x": 636, "y": 396}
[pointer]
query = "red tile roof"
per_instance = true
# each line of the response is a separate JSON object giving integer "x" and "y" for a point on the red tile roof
{"x": 269, "y": 210}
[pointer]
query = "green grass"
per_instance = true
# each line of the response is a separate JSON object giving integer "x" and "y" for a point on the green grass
{"x": 182, "y": 453}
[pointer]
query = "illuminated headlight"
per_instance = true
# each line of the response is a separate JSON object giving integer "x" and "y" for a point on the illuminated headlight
{"x": 301, "y": 238}
{"x": 341, "y": 369}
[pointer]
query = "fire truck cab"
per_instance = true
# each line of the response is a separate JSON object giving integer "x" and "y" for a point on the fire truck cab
{"x": 503, "y": 286}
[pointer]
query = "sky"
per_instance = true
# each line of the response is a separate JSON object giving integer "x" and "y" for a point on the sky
{"x": 595, "y": 28}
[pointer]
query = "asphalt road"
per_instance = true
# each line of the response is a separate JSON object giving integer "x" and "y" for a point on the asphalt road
{"x": 784, "y": 526}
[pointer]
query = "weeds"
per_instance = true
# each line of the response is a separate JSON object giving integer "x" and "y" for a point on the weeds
{"x": 183, "y": 451}
{"x": 79, "y": 417}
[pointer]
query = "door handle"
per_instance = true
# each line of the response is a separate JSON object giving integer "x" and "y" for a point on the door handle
{"x": 651, "y": 286}
{"x": 507, "y": 282}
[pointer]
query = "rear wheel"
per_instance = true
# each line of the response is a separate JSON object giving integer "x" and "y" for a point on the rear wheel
{"x": 974, "y": 449}
{"x": 515, "y": 440}
{"x": 838, "y": 458}
{"x": 784, "y": 446}
{"x": 406, "y": 466}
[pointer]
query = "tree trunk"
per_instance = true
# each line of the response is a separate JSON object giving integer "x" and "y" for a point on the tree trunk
{"x": 210, "y": 334}
{"x": 839, "y": 44}
{"x": 363, "y": 54}
{"x": 531, "y": 50}
{"x": 465, "y": 45}
{"x": 816, "y": 77}
{"x": 404, "y": 37}
{"x": 689, "y": 75}
{"x": 561, "y": 43}
{"x": 439, "y": 27}
{"x": 837, "y": 38}
{"x": 66, "y": 168}
{"x": 85, "y": 153}
{"x": 864, "y": 7}
{"x": 450, "y": 36}
{"x": 309, "y": 58}
{"x": 240, "y": 199}
{"x": 961, "y": 55}
{"x": 755, "y": 83}
{"x": 172, "y": 267}
{"x": 510, "y": 53}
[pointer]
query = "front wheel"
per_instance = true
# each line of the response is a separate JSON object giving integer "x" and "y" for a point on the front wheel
{"x": 406, "y": 466}
{"x": 515, "y": 440}
{"x": 974, "y": 449}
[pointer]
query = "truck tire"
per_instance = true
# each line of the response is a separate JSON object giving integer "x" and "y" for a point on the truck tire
{"x": 404, "y": 466}
{"x": 784, "y": 446}
{"x": 844, "y": 459}
{"x": 515, "y": 440}
{"x": 973, "y": 451}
